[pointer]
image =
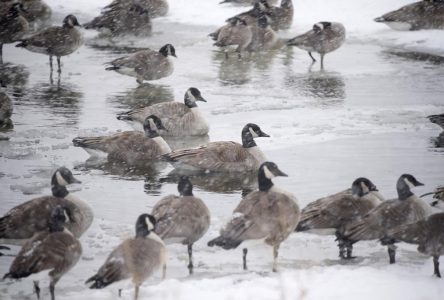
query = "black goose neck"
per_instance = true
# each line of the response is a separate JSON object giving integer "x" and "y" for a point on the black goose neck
{"x": 403, "y": 189}
{"x": 142, "y": 232}
{"x": 247, "y": 139}
{"x": 265, "y": 183}
{"x": 151, "y": 133}
{"x": 58, "y": 190}
{"x": 56, "y": 226}
{"x": 189, "y": 102}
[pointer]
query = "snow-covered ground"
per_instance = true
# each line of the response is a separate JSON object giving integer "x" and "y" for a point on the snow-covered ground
{"x": 365, "y": 115}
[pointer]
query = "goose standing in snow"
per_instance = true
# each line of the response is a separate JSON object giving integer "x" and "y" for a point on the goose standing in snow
{"x": 407, "y": 209}
{"x": 55, "y": 41}
{"x": 339, "y": 210}
{"x": 136, "y": 258}
{"x": 179, "y": 119}
{"x": 324, "y": 38}
{"x": 182, "y": 219}
{"x": 223, "y": 156}
{"x": 13, "y": 26}
{"x": 145, "y": 64}
{"x": 131, "y": 147}
{"x": 428, "y": 234}
{"x": 26, "y": 219}
{"x": 269, "y": 213}
{"x": 426, "y": 14}
{"x": 55, "y": 249}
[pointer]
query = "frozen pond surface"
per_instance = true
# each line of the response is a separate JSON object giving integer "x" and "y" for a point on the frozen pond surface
{"x": 364, "y": 115}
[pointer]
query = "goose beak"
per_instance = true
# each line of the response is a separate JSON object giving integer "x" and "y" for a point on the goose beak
{"x": 162, "y": 127}
{"x": 417, "y": 183}
{"x": 278, "y": 172}
{"x": 74, "y": 180}
{"x": 200, "y": 98}
{"x": 263, "y": 134}
{"x": 379, "y": 19}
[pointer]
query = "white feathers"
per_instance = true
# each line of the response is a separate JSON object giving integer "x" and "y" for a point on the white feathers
{"x": 67, "y": 219}
{"x": 320, "y": 26}
{"x": 149, "y": 224}
{"x": 268, "y": 173}
{"x": 191, "y": 96}
{"x": 409, "y": 183}
{"x": 364, "y": 187}
{"x": 401, "y": 26}
{"x": 253, "y": 133}
{"x": 152, "y": 124}
{"x": 164, "y": 147}
{"x": 60, "y": 180}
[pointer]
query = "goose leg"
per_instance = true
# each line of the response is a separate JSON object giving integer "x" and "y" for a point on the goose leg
{"x": 37, "y": 288}
{"x": 59, "y": 70}
{"x": 190, "y": 259}
{"x": 341, "y": 246}
{"x": 322, "y": 61}
{"x": 392, "y": 253}
{"x": 136, "y": 293}
{"x": 120, "y": 293}
{"x": 275, "y": 255}
{"x": 50, "y": 64}
{"x": 164, "y": 269}
{"x": 244, "y": 258}
{"x": 52, "y": 290}
{"x": 1, "y": 53}
{"x": 314, "y": 60}
{"x": 436, "y": 266}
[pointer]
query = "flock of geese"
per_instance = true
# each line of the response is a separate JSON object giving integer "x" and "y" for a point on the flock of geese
{"x": 49, "y": 227}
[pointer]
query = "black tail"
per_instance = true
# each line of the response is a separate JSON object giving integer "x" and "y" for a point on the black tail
{"x": 22, "y": 44}
{"x": 302, "y": 226}
{"x": 3, "y": 248}
{"x": 124, "y": 117}
{"x": 113, "y": 68}
{"x": 224, "y": 242}
{"x": 78, "y": 142}
{"x": 98, "y": 282}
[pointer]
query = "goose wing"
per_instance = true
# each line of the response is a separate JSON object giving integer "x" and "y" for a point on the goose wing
{"x": 59, "y": 251}
{"x": 169, "y": 113}
{"x": 215, "y": 156}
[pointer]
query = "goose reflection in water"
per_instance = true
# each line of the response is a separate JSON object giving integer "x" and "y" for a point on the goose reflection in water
{"x": 143, "y": 95}
{"x": 216, "y": 182}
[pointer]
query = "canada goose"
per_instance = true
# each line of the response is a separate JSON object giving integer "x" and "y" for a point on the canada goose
{"x": 236, "y": 33}
{"x": 179, "y": 119}
{"x": 5, "y": 111}
{"x": 132, "y": 19}
{"x": 182, "y": 219}
{"x": 264, "y": 37}
{"x": 281, "y": 16}
{"x": 55, "y": 41}
{"x": 416, "y": 16}
{"x": 408, "y": 208}
{"x": 223, "y": 156}
{"x": 155, "y": 8}
{"x": 324, "y": 38}
{"x": 12, "y": 26}
{"x": 56, "y": 250}
{"x": 428, "y": 234}
{"x": 24, "y": 220}
{"x": 269, "y": 213}
{"x": 131, "y": 147}
{"x": 338, "y": 210}
{"x": 249, "y": 17}
{"x": 145, "y": 64}
{"x": 136, "y": 258}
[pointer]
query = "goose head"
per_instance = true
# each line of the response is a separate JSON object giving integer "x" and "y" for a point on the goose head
{"x": 362, "y": 186}
{"x": 267, "y": 171}
{"x": 191, "y": 96}
{"x": 152, "y": 125}
{"x": 167, "y": 50}
{"x": 60, "y": 179}
{"x": 144, "y": 225}
{"x": 70, "y": 21}
{"x": 404, "y": 184}
{"x": 249, "y": 133}
{"x": 57, "y": 219}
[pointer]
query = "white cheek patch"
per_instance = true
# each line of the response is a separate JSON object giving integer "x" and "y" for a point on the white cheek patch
{"x": 365, "y": 188}
{"x": 320, "y": 26}
{"x": 66, "y": 216}
{"x": 409, "y": 183}
{"x": 253, "y": 133}
{"x": 191, "y": 96}
{"x": 169, "y": 50}
{"x": 149, "y": 224}
{"x": 268, "y": 173}
{"x": 152, "y": 124}
{"x": 60, "y": 180}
